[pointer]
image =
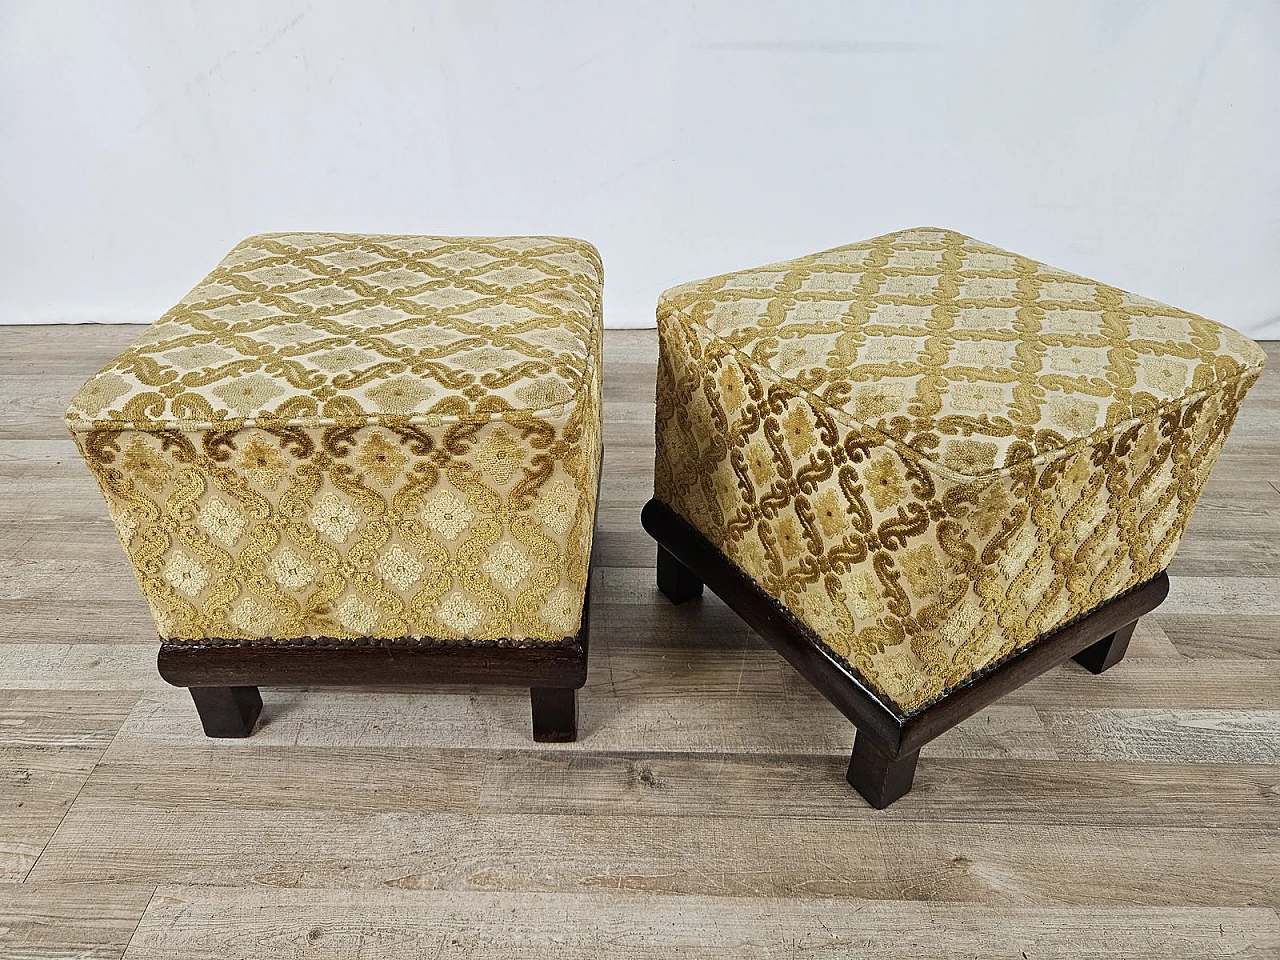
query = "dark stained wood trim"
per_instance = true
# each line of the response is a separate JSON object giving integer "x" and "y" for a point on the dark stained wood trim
{"x": 227, "y": 711}
{"x": 555, "y": 714}
{"x": 774, "y": 622}
{"x": 1107, "y": 652}
{"x": 675, "y": 580}
{"x": 959, "y": 704}
{"x": 224, "y": 676}
{"x": 880, "y": 778}
{"x": 888, "y": 739}
{"x": 189, "y": 665}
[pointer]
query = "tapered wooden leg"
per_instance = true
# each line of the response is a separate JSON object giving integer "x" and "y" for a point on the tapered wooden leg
{"x": 555, "y": 714}
{"x": 227, "y": 711}
{"x": 1107, "y": 652}
{"x": 675, "y": 580}
{"x": 880, "y": 778}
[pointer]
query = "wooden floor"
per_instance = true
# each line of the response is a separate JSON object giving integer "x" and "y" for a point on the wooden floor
{"x": 702, "y": 814}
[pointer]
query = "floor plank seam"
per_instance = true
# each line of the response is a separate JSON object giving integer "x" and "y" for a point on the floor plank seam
{"x": 138, "y": 924}
{"x": 71, "y": 806}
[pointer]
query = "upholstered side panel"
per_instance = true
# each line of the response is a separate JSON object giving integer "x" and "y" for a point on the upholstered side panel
{"x": 918, "y": 576}
{"x": 464, "y": 530}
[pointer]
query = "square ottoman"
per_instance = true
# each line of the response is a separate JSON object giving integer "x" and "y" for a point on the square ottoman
{"x": 927, "y": 470}
{"x": 351, "y": 459}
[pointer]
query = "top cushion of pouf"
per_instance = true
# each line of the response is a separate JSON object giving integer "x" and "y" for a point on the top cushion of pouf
{"x": 325, "y": 329}
{"x": 972, "y": 357}
{"x": 932, "y": 451}
{"x": 338, "y": 438}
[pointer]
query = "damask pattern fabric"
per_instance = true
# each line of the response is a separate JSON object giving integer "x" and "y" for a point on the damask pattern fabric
{"x": 934, "y": 451}
{"x": 363, "y": 438}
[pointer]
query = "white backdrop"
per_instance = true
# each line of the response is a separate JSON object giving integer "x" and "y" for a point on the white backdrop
{"x": 1135, "y": 142}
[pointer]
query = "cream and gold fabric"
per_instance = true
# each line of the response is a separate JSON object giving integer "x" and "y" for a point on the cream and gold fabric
{"x": 933, "y": 451}
{"x": 361, "y": 437}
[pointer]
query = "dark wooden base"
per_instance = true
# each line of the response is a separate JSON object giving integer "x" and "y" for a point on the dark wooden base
{"x": 555, "y": 714}
{"x": 1107, "y": 652}
{"x": 675, "y": 580}
{"x": 880, "y": 778}
{"x": 227, "y": 711}
{"x": 888, "y": 741}
{"x": 224, "y": 677}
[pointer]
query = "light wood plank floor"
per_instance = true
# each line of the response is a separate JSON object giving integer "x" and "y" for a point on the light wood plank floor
{"x": 702, "y": 814}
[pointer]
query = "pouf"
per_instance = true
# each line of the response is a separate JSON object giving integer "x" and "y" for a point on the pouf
{"x": 362, "y": 459}
{"x": 928, "y": 469}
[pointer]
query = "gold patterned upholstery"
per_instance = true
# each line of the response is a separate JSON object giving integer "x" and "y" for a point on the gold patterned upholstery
{"x": 933, "y": 451}
{"x": 361, "y": 437}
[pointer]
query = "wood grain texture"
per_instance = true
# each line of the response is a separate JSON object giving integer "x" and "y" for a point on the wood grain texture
{"x": 690, "y": 785}
{"x": 119, "y": 841}
{"x": 50, "y": 741}
{"x": 63, "y": 922}
{"x": 211, "y": 924}
{"x": 703, "y": 811}
{"x": 36, "y": 790}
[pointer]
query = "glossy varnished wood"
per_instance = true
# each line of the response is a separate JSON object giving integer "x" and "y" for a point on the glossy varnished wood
{"x": 703, "y": 812}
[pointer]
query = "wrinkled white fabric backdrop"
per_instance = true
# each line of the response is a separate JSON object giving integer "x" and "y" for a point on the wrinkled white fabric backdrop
{"x": 1133, "y": 142}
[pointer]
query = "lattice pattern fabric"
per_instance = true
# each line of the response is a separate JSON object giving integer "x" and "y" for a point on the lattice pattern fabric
{"x": 349, "y": 437}
{"x": 933, "y": 451}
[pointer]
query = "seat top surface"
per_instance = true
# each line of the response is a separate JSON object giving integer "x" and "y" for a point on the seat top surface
{"x": 974, "y": 358}
{"x": 317, "y": 329}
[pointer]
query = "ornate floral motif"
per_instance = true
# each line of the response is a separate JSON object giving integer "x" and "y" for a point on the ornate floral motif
{"x": 185, "y": 575}
{"x": 381, "y": 459}
{"x": 351, "y": 437}
{"x": 400, "y": 568}
{"x": 460, "y": 614}
{"x": 262, "y": 463}
{"x": 102, "y": 392}
{"x": 333, "y": 518}
{"x": 253, "y": 617}
{"x": 998, "y": 446}
{"x": 884, "y": 481}
{"x": 338, "y": 328}
{"x": 145, "y": 465}
{"x": 563, "y": 608}
{"x": 447, "y": 514}
{"x": 357, "y": 615}
{"x": 498, "y": 455}
{"x": 508, "y": 565}
{"x": 401, "y": 395}
{"x": 291, "y": 570}
{"x": 223, "y": 522}
{"x": 555, "y": 507}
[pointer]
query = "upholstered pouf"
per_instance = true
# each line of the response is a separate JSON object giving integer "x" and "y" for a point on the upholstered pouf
{"x": 362, "y": 459}
{"x": 927, "y": 469}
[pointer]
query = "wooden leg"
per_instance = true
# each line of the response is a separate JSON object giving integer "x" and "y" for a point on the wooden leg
{"x": 675, "y": 580}
{"x": 555, "y": 714}
{"x": 880, "y": 778}
{"x": 1107, "y": 652}
{"x": 227, "y": 711}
